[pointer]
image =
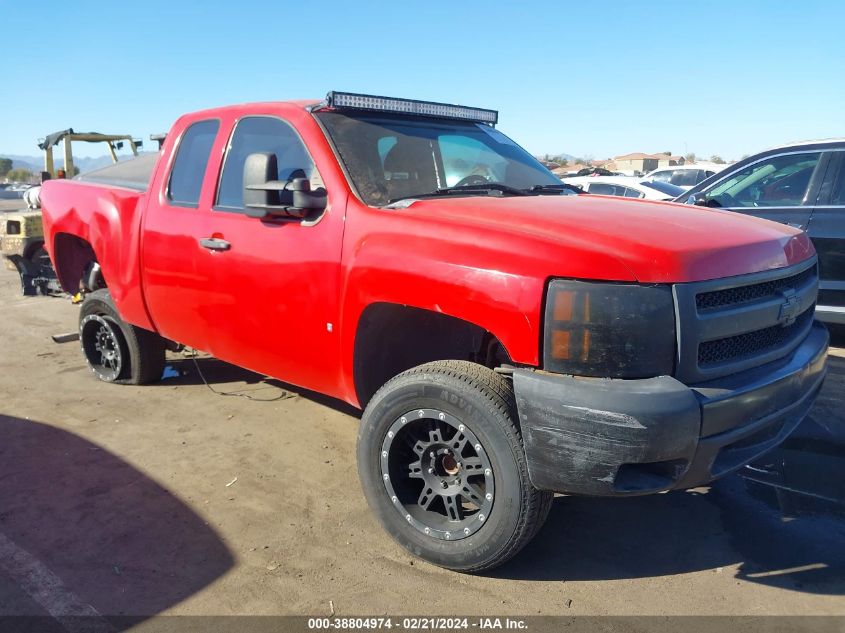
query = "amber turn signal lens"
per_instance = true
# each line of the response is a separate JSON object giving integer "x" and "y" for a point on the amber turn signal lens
{"x": 560, "y": 344}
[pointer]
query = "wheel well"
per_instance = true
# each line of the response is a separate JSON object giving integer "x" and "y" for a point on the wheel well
{"x": 392, "y": 338}
{"x": 72, "y": 257}
{"x": 32, "y": 248}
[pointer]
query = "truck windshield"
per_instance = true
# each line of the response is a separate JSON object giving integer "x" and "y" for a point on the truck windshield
{"x": 392, "y": 158}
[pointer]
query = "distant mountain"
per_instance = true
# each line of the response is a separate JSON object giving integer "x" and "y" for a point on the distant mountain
{"x": 36, "y": 163}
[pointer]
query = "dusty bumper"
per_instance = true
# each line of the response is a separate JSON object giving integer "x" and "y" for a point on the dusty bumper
{"x": 623, "y": 437}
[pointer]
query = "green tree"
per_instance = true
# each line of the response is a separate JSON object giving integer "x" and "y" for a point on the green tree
{"x": 690, "y": 158}
{"x": 5, "y": 166}
{"x": 715, "y": 158}
{"x": 19, "y": 175}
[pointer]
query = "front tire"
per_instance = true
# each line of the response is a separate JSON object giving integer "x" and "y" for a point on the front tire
{"x": 442, "y": 465}
{"x": 117, "y": 351}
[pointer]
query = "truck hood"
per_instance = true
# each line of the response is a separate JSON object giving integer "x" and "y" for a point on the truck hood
{"x": 658, "y": 242}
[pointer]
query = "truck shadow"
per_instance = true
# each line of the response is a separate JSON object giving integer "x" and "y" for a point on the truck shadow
{"x": 736, "y": 522}
{"x": 224, "y": 377}
{"x": 115, "y": 538}
{"x": 683, "y": 532}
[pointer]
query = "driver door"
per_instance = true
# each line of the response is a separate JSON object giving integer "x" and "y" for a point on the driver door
{"x": 275, "y": 282}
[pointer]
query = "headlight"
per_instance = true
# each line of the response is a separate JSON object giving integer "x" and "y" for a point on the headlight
{"x": 609, "y": 330}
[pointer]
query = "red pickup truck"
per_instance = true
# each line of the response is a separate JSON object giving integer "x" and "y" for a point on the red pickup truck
{"x": 506, "y": 336}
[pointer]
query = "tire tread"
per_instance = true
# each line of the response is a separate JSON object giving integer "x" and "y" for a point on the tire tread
{"x": 497, "y": 390}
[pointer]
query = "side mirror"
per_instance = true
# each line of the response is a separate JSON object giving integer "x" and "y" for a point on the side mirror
{"x": 264, "y": 196}
{"x": 698, "y": 199}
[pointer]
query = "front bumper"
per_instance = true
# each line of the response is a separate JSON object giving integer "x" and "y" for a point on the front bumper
{"x": 623, "y": 437}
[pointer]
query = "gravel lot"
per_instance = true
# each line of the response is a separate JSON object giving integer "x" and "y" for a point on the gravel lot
{"x": 170, "y": 499}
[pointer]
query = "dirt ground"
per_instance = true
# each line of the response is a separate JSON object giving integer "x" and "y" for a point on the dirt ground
{"x": 169, "y": 499}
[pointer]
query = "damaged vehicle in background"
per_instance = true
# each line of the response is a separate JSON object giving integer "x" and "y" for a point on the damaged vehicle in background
{"x": 505, "y": 338}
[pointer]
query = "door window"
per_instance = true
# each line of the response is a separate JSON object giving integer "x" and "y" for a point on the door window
{"x": 686, "y": 177}
{"x": 262, "y": 134}
{"x": 837, "y": 195}
{"x": 779, "y": 181}
{"x": 190, "y": 164}
{"x": 602, "y": 188}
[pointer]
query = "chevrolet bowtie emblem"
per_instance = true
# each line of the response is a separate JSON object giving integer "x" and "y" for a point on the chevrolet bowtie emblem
{"x": 789, "y": 308}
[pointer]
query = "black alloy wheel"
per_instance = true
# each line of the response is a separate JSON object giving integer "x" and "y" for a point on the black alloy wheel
{"x": 437, "y": 474}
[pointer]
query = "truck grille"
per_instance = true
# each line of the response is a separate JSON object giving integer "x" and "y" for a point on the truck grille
{"x": 750, "y": 343}
{"x": 754, "y": 292}
{"x": 731, "y": 325}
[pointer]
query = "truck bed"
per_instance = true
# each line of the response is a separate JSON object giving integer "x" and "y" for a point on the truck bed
{"x": 131, "y": 174}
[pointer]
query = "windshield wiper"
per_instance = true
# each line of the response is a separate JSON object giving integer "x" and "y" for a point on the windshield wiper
{"x": 564, "y": 186}
{"x": 488, "y": 188}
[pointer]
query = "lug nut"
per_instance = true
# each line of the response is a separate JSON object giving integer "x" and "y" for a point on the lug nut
{"x": 489, "y": 496}
{"x": 430, "y": 471}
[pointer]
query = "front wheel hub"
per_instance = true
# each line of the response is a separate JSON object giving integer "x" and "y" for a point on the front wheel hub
{"x": 437, "y": 474}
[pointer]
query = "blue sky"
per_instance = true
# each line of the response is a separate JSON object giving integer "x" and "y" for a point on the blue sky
{"x": 586, "y": 78}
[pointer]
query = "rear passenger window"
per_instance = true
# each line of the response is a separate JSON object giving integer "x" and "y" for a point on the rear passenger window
{"x": 262, "y": 134}
{"x": 191, "y": 162}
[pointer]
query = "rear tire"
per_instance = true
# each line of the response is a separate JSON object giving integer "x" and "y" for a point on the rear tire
{"x": 117, "y": 351}
{"x": 442, "y": 464}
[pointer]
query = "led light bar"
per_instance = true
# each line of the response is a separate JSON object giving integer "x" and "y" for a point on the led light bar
{"x": 410, "y": 106}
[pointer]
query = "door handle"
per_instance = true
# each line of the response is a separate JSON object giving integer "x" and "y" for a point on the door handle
{"x": 215, "y": 244}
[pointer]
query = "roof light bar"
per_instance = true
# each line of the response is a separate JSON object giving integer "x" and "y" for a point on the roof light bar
{"x": 410, "y": 106}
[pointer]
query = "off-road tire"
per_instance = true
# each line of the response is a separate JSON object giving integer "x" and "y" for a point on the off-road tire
{"x": 143, "y": 351}
{"x": 483, "y": 401}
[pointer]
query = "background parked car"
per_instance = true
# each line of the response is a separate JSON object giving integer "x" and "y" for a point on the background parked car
{"x": 625, "y": 186}
{"x": 802, "y": 185}
{"x": 684, "y": 176}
